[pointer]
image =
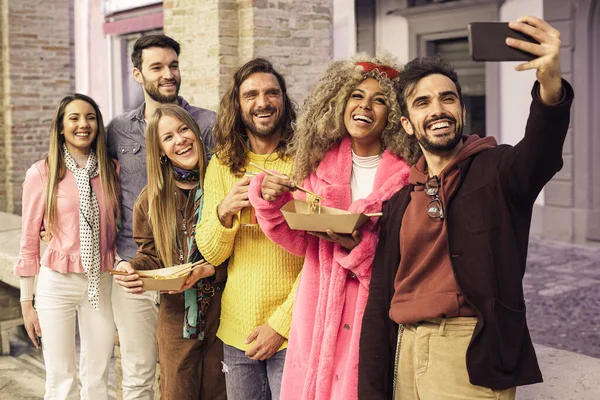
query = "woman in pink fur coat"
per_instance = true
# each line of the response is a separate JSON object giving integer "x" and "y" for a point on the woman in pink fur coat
{"x": 347, "y": 150}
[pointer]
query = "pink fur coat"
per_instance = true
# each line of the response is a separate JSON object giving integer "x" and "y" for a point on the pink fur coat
{"x": 322, "y": 355}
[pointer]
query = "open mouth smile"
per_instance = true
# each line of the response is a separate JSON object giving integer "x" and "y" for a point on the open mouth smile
{"x": 184, "y": 151}
{"x": 263, "y": 115}
{"x": 439, "y": 125}
{"x": 171, "y": 84}
{"x": 362, "y": 119}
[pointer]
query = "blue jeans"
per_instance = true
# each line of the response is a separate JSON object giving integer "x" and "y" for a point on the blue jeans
{"x": 248, "y": 379}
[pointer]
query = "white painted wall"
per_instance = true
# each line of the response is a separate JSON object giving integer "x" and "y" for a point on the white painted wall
{"x": 344, "y": 29}
{"x": 113, "y": 6}
{"x": 515, "y": 87}
{"x": 391, "y": 31}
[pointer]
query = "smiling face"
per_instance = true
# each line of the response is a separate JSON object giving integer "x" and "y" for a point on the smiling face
{"x": 80, "y": 126}
{"x": 261, "y": 105}
{"x": 435, "y": 114}
{"x": 365, "y": 117}
{"x": 178, "y": 142}
{"x": 160, "y": 76}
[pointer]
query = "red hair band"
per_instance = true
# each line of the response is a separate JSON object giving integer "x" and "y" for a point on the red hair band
{"x": 390, "y": 72}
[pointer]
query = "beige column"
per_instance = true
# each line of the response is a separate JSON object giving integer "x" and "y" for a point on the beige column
{"x": 217, "y": 36}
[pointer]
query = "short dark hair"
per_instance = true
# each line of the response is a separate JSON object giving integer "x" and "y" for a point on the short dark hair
{"x": 229, "y": 130}
{"x": 152, "y": 41}
{"x": 420, "y": 68}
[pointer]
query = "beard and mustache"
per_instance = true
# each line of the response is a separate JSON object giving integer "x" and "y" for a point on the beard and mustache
{"x": 441, "y": 144}
{"x": 153, "y": 90}
{"x": 262, "y": 132}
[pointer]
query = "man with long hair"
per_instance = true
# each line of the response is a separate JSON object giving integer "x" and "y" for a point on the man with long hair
{"x": 452, "y": 252}
{"x": 254, "y": 124}
{"x": 156, "y": 69}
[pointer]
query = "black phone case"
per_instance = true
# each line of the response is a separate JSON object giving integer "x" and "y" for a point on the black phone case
{"x": 487, "y": 42}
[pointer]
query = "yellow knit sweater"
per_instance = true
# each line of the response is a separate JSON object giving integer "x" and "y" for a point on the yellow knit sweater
{"x": 262, "y": 277}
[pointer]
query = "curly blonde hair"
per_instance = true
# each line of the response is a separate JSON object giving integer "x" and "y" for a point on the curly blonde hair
{"x": 320, "y": 124}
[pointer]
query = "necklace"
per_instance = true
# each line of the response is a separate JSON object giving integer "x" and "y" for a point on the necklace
{"x": 366, "y": 161}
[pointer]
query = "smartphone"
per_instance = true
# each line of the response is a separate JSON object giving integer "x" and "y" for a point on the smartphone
{"x": 487, "y": 42}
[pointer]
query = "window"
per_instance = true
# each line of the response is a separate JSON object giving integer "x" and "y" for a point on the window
{"x": 365, "y": 26}
{"x": 420, "y": 3}
{"x": 127, "y": 94}
{"x": 471, "y": 76}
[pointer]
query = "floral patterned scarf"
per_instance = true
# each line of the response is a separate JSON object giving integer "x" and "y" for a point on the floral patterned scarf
{"x": 197, "y": 298}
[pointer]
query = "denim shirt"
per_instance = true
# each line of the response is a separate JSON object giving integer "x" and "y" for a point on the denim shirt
{"x": 126, "y": 142}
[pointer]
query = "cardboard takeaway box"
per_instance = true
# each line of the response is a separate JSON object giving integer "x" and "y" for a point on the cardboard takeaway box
{"x": 163, "y": 279}
{"x": 296, "y": 214}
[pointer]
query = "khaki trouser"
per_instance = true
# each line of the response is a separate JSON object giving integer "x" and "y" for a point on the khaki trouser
{"x": 432, "y": 363}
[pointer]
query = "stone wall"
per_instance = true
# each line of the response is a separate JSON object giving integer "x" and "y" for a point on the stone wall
{"x": 217, "y": 36}
{"x": 36, "y": 71}
{"x": 558, "y": 222}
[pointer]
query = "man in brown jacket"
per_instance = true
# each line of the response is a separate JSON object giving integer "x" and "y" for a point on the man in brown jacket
{"x": 453, "y": 243}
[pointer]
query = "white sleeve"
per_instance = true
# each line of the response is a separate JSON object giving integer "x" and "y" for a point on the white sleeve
{"x": 27, "y": 284}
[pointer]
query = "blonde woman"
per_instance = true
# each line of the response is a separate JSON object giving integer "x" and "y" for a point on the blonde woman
{"x": 72, "y": 195}
{"x": 347, "y": 150}
{"x": 164, "y": 220}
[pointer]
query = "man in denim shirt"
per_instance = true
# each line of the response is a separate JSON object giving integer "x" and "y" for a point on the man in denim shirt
{"x": 156, "y": 68}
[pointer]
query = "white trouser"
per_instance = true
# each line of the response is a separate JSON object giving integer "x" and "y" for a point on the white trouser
{"x": 59, "y": 299}
{"x": 136, "y": 316}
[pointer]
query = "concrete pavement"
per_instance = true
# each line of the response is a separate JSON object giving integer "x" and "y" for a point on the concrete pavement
{"x": 562, "y": 291}
{"x": 22, "y": 374}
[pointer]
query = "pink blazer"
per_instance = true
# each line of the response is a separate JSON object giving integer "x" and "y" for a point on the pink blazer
{"x": 62, "y": 253}
{"x": 322, "y": 355}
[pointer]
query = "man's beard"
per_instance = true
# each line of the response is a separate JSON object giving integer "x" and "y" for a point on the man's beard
{"x": 443, "y": 146}
{"x": 154, "y": 93}
{"x": 266, "y": 132}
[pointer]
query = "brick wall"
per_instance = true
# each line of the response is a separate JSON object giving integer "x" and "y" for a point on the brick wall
{"x": 297, "y": 36}
{"x": 217, "y": 36}
{"x": 3, "y": 158}
{"x": 195, "y": 25}
{"x": 37, "y": 71}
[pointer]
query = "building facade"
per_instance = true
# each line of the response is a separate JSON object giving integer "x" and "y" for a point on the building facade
{"x": 36, "y": 58}
{"x": 50, "y": 50}
{"x": 84, "y": 45}
{"x": 497, "y": 97}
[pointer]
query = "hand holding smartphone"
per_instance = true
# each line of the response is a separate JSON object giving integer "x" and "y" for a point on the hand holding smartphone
{"x": 531, "y": 40}
{"x": 487, "y": 42}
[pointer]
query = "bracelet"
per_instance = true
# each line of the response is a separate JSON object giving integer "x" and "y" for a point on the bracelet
{"x": 120, "y": 261}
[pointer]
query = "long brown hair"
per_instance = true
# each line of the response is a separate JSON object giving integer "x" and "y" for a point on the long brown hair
{"x": 230, "y": 134}
{"x": 55, "y": 161}
{"x": 161, "y": 189}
